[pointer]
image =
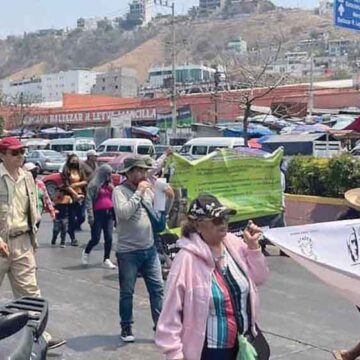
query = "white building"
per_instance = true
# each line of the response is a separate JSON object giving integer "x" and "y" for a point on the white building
{"x": 74, "y": 81}
{"x": 207, "y": 7}
{"x": 160, "y": 76}
{"x": 31, "y": 89}
{"x": 89, "y": 23}
{"x": 296, "y": 69}
{"x": 340, "y": 47}
{"x": 237, "y": 45}
{"x": 296, "y": 56}
{"x": 326, "y": 8}
{"x": 118, "y": 82}
{"x": 140, "y": 12}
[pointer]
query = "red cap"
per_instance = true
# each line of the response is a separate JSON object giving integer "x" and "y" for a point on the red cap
{"x": 11, "y": 143}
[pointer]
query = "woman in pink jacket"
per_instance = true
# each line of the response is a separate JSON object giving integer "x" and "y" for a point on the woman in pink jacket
{"x": 209, "y": 309}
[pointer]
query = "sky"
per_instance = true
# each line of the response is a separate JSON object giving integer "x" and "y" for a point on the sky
{"x": 19, "y": 16}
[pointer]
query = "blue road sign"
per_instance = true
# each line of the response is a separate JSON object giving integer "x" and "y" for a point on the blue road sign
{"x": 347, "y": 14}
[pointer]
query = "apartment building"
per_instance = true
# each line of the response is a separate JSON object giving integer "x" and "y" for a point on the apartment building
{"x": 119, "y": 82}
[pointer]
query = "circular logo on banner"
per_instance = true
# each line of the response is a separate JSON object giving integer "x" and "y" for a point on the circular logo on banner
{"x": 353, "y": 245}
{"x": 306, "y": 247}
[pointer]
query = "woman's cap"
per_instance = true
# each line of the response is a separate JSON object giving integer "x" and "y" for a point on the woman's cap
{"x": 352, "y": 198}
{"x": 208, "y": 206}
{"x": 29, "y": 166}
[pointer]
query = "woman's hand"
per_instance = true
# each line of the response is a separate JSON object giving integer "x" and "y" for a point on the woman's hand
{"x": 4, "y": 249}
{"x": 53, "y": 214}
{"x": 79, "y": 184}
{"x": 78, "y": 197}
{"x": 252, "y": 234}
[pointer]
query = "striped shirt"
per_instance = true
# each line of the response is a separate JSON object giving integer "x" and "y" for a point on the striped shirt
{"x": 229, "y": 305}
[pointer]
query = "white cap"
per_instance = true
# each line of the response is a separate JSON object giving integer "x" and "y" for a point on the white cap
{"x": 29, "y": 166}
{"x": 92, "y": 153}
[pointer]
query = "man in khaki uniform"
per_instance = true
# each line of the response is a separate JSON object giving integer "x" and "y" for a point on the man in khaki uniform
{"x": 18, "y": 218}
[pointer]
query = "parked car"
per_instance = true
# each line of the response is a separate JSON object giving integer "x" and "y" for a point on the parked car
{"x": 54, "y": 181}
{"x": 159, "y": 150}
{"x": 46, "y": 160}
{"x": 106, "y": 157}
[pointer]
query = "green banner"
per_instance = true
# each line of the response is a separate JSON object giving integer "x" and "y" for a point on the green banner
{"x": 249, "y": 184}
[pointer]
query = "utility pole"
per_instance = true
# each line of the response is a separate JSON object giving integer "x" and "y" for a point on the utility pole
{"x": 311, "y": 86}
{"x": 217, "y": 76}
{"x": 22, "y": 114}
{"x": 173, "y": 95}
{"x": 164, "y": 3}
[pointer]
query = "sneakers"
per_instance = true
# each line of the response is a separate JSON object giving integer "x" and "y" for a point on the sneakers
{"x": 55, "y": 343}
{"x": 126, "y": 334}
{"x": 108, "y": 264}
{"x": 62, "y": 245}
{"x": 84, "y": 258}
{"x": 74, "y": 242}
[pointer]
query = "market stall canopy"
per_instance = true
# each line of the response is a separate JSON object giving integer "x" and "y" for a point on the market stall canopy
{"x": 315, "y": 128}
{"x": 355, "y": 125}
{"x": 146, "y": 130}
{"x": 254, "y": 143}
{"x": 55, "y": 130}
{"x": 343, "y": 122}
{"x": 25, "y": 133}
{"x": 345, "y": 134}
{"x": 253, "y": 131}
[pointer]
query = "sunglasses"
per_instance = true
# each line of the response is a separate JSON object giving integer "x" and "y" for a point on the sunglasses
{"x": 17, "y": 152}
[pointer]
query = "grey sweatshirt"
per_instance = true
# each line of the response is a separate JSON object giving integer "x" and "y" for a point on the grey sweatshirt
{"x": 134, "y": 230}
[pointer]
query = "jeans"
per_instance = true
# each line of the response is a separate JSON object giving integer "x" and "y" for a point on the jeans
{"x": 130, "y": 264}
{"x": 74, "y": 211}
{"x": 60, "y": 226}
{"x": 103, "y": 220}
{"x": 80, "y": 216}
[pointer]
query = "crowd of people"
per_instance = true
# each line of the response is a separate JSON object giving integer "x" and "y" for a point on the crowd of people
{"x": 208, "y": 309}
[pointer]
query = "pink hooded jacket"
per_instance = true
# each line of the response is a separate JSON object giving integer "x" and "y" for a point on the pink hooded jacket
{"x": 180, "y": 332}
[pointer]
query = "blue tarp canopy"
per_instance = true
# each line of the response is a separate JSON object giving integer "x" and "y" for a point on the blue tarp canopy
{"x": 253, "y": 131}
{"x": 55, "y": 130}
{"x": 21, "y": 132}
{"x": 146, "y": 130}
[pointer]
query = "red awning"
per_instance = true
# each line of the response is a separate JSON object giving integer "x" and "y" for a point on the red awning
{"x": 355, "y": 125}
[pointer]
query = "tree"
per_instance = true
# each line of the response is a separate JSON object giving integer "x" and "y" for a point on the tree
{"x": 254, "y": 76}
{"x": 2, "y": 125}
{"x": 19, "y": 107}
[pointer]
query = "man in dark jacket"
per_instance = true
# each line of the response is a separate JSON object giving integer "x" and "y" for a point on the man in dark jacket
{"x": 89, "y": 166}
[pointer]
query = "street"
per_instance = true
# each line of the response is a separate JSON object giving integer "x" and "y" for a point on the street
{"x": 300, "y": 316}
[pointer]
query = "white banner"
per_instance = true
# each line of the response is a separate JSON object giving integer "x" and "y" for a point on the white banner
{"x": 121, "y": 121}
{"x": 329, "y": 250}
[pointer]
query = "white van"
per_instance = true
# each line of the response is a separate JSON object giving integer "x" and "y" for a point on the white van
{"x": 136, "y": 146}
{"x": 79, "y": 146}
{"x": 198, "y": 147}
{"x": 35, "y": 144}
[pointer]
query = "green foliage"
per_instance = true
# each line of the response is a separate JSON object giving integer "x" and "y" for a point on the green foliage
{"x": 2, "y": 124}
{"x": 308, "y": 175}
